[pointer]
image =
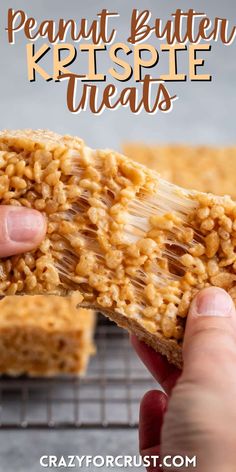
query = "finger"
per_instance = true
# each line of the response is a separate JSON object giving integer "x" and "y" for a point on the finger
{"x": 21, "y": 230}
{"x": 210, "y": 335}
{"x": 152, "y": 409}
{"x": 166, "y": 374}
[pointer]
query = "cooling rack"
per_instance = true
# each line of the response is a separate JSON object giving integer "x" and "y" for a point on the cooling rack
{"x": 108, "y": 396}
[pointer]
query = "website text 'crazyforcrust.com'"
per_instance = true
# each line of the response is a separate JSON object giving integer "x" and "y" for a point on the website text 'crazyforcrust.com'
{"x": 81, "y": 462}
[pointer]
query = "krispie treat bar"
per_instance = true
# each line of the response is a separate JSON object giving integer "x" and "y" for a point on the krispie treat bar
{"x": 137, "y": 247}
{"x": 207, "y": 169}
{"x": 44, "y": 336}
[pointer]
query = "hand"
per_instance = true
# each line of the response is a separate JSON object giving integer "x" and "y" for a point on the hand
{"x": 21, "y": 230}
{"x": 196, "y": 416}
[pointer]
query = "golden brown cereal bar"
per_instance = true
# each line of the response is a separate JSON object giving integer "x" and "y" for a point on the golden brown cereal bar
{"x": 135, "y": 246}
{"x": 44, "y": 336}
{"x": 207, "y": 169}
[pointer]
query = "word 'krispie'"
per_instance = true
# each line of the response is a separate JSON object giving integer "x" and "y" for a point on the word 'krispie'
{"x": 135, "y": 246}
{"x": 44, "y": 336}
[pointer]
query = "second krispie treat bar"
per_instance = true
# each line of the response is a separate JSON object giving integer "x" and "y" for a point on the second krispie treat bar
{"x": 44, "y": 336}
{"x": 207, "y": 169}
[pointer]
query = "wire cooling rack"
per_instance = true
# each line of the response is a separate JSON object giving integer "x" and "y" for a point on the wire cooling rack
{"x": 108, "y": 396}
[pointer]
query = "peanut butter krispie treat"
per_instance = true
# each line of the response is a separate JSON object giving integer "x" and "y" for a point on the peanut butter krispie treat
{"x": 44, "y": 336}
{"x": 137, "y": 247}
{"x": 207, "y": 169}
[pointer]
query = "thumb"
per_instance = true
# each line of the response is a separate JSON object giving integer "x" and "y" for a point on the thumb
{"x": 21, "y": 230}
{"x": 210, "y": 335}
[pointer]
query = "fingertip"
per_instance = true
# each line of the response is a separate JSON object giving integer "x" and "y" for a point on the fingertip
{"x": 210, "y": 331}
{"x": 21, "y": 229}
{"x": 155, "y": 400}
{"x": 152, "y": 410}
{"x": 211, "y": 306}
{"x": 211, "y": 301}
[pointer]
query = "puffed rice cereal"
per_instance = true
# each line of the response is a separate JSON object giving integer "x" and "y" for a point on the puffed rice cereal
{"x": 137, "y": 247}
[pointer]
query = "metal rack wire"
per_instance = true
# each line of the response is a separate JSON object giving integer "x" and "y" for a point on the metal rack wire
{"x": 108, "y": 396}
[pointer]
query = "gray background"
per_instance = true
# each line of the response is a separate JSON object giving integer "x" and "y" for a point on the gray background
{"x": 204, "y": 113}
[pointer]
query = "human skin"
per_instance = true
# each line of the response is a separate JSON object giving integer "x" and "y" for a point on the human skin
{"x": 196, "y": 416}
{"x": 21, "y": 230}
